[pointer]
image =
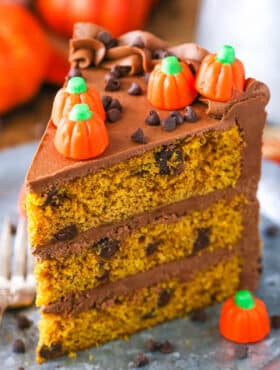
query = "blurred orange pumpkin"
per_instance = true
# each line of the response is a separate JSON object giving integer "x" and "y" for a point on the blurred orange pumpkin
{"x": 118, "y": 16}
{"x": 24, "y": 55}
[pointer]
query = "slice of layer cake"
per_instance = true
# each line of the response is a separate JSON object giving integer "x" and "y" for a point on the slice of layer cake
{"x": 162, "y": 218}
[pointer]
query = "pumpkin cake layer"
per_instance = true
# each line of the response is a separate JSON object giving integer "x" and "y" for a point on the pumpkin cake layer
{"x": 162, "y": 240}
{"x": 125, "y": 314}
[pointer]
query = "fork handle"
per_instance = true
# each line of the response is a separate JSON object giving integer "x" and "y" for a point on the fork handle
{"x": 2, "y": 310}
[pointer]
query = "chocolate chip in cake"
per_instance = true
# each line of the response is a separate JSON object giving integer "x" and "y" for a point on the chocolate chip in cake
{"x": 138, "y": 42}
{"x": 67, "y": 233}
{"x": 148, "y": 315}
{"x": 106, "y": 38}
{"x": 107, "y": 247}
{"x": 50, "y": 352}
{"x": 113, "y": 115}
{"x": 113, "y": 84}
{"x": 166, "y": 347}
{"x": 23, "y": 322}
{"x": 139, "y": 137}
{"x": 160, "y": 53}
{"x": 178, "y": 117}
{"x": 170, "y": 161}
{"x": 18, "y": 346}
{"x": 104, "y": 277}
{"x": 141, "y": 360}
{"x": 74, "y": 72}
{"x": 164, "y": 297}
{"x": 202, "y": 240}
{"x": 271, "y": 231}
{"x": 115, "y": 103}
{"x": 120, "y": 71}
{"x": 135, "y": 89}
{"x": 190, "y": 114}
{"x": 152, "y": 248}
{"x": 241, "y": 351}
{"x": 169, "y": 123}
{"x": 198, "y": 315}
{"x": 55, "y": 199}
{"x": 275, "y": 321}
{"x": 152, "y": 345}
{"x": 106, "y": 101}
{"x": 153, "y": 118}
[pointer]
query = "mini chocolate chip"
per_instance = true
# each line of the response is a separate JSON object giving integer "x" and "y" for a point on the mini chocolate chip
{"x": 178, "y": 116}
{"x": 241, "y": 351}
{"x": 50, "y": 352}
{"x": 107, "y": 247}
{"x": 106, "y": 38}
{"x": 74, "y": 72}
{"x": 135, "y": 89}
{"x": 275, "y": 321}
{"x": 271, "y": 231}
{"x": 141, "y": 360}
{"x": 169, "y": 123}
{"x": 190, "y": 114}
{"x": 164, "y": 297}
{"x": 104, "y": 276}
{"x": 120, "y": 71}
{"x": 67, "y": 233}
{"x": 13, "y": 229}
{"x": 148, "y": 315}
{"x": 152, "y": 248}
{"x": 54, "y": 199}
{"x": 23, "y": 322}
{"x": 113, "y": 115}
{"x": 146, "y": 77}
{"x": 166, "y": 347}
{"x": 138, "y": 42}
{"x": 110, "y": 75}
{"x": 18, "y": 346}
{"x": 115, "y": 103}
{"x": 153, "y": 118}
{"x": 170, "y": 164}
{"x": 106, "y": 101}
{"x": 138, "y": 137}
{"x": 113, "y": 84}
{"x": 202, "y": 240}
{"x": 160, "y": 53}
{"x": 198, "y": 315}
{"x": 152, "y": 345}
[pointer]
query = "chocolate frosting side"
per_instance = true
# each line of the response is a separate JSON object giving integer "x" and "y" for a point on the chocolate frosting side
{"x": 121, "y": 230}
{"x": 86, "y": 49}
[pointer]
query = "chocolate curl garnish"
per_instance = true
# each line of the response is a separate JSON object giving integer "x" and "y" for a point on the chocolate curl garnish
{"x": 253, "y": 89}
{"x": 84, "y": 52}
{"x": 137, "y": 59}
{"x": 190, "y": 53}
{"x": 149, "y": 40}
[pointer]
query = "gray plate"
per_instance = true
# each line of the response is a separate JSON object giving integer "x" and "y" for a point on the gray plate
{"x": 198, "y": 346}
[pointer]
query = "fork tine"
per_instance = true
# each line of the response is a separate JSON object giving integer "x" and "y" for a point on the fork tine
{"x": 5, "y": 250}
{"x": 19, "y": 252}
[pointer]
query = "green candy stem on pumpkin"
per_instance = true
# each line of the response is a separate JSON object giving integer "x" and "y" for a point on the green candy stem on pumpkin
{"x": 171, "y": 65}
{"x": 244, "y": 299}
{"x": 80, "y": 112}
{"x": 76, "y": 85}
{"x": 226, "y": 54}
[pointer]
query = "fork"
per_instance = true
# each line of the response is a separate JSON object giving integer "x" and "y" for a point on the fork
{"x": 17, "y": 281}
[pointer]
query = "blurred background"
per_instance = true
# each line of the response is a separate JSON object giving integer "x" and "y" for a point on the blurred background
{"x": 34, "y": 41}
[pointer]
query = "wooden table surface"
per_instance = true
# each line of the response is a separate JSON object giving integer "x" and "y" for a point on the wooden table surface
{"x": 173, "y": 20}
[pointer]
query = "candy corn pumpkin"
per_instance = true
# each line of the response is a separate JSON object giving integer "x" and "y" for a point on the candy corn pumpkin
{"x": 220, "y": 75}
{"x": 244, "y": 318}
{"x": 81, "y": 135}
{"x": 171, "y": 85}
{"x": 76, "y": 92}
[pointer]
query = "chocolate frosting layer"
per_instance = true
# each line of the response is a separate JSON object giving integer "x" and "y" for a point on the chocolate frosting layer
{"x": 134, "y": 49}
